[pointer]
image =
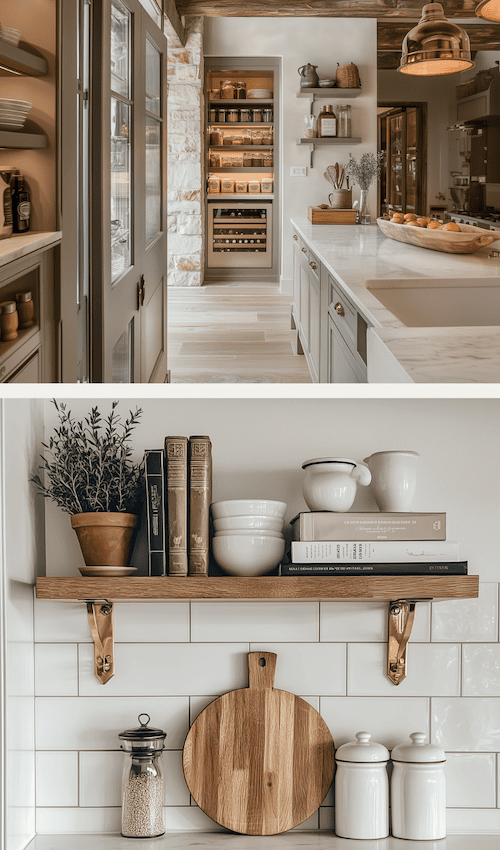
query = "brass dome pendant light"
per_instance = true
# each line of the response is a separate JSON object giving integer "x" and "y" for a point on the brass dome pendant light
{"x": 489, "y": 10}
{"x": 435, "y": 46}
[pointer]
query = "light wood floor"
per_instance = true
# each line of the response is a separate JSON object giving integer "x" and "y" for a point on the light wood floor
{"x": 232, "y": 333}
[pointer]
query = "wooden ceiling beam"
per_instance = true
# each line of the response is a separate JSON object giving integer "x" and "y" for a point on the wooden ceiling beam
{"x": 409, "y": 9}
{"x": 482, "y": 36}
{"x": 173, "y": 26}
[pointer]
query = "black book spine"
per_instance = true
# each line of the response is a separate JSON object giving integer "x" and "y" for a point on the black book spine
{"x": 456, "y": 568}
{"x": 155, "y": 500}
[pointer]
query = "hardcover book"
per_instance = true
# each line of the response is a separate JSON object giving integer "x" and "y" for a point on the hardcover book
{"x": 176, "y": 475}
{"x": 456, "y": 568}
{"x": 157, "y": 560}
{"x": 375, "y": 525}
{"x": 342, "y": 551}
{"x": 200, "y": 497}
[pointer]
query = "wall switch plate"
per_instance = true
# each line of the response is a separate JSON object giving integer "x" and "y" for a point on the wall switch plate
{"x": 298, "y": 171}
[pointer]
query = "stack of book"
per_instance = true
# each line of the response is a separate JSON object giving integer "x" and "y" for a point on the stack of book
{"x": 393, "y": 544}
{"x": 178, "y": 497}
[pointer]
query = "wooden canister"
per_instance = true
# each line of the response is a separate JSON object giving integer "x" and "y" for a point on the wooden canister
{"x": 340, "y": 199}
{"x": 9, "y": 321}
{"x": 25, "y": 310}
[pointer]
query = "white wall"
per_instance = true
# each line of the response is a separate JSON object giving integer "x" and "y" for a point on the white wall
{"x": 22, "y": 527}
{"x": 439, "y": 95}
{"x": 173, "y": 658}
{"x": 322, "y": 42}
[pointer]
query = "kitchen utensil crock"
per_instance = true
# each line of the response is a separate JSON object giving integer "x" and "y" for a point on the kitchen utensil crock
{"x": 418, "y": 790}
{"x": 330, "y": 483}
{"x": 362, "y": 789}
{"x": 142, "y": 788}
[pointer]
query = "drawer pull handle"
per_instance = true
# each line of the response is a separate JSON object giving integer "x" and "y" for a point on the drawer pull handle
{"x": 304, "y": 250}
{"x": 295, "y": 237}
{"x": 338, "y": 307}
{"x": 313, "y": 265}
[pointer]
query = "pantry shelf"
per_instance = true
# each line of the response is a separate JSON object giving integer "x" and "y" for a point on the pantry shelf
{"x": 19, "y": 140}
{"x": 16, "y": 60}
{"x": 266, "y": 169}
{"x": 337, "y": 588}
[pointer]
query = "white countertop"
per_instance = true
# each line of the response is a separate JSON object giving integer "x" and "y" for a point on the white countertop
{"x": 354, "y": 254}
{"x": 229, "y": 841}
{"x": 25, "y": 243}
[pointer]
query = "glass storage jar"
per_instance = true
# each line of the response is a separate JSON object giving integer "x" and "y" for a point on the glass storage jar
{"x": 267, "y": 137}
{"x": 221, "y": 115}
{"x": 256, "y": 138}
{"x": 257, "y": 160}
{"x": 247, "y": 159}
{"x": 142, "y": 784}
{"x": 256, "y": 115}
{"x": 240, "y": 90}
{"x": 245, "y": 116}
{"x": 214, "y": 159}
{"x": 344, "y": 121}
{"x": 267, "y": 114}
{"x": 233, "y": 116}
{"x": 227, "y": 90}
{"x": 213, "y": 114}
{"x": 267, "y": 159}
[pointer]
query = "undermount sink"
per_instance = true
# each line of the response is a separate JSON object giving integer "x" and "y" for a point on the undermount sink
{"x": 441, "y": 302}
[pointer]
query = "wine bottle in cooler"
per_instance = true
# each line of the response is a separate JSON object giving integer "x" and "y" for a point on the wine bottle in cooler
{"x": 21, "y": 205}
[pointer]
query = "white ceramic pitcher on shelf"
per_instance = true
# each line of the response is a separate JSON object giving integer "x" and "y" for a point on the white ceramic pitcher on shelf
{"x": 330, "y": 483}
{"x": 394, "y": 479}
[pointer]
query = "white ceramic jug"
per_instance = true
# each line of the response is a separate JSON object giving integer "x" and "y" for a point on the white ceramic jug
{"x": 362, "y": 789}
{"x": 418, "y": 790}
{"x": 394, "y": 478}
{"x": 330, "y": 482}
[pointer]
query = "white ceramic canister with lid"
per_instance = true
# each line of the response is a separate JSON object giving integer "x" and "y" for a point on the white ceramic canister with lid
{"x": 418, "y": 790}
{"x": 362, "y": 789}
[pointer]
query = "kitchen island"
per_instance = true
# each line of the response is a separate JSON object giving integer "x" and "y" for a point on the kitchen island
{"x": 350, "y": 335}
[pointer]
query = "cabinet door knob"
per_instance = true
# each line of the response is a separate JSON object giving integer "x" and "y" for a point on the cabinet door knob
{"x": 313, "y": 265}
{"x": 338, "y": 307}
{"x": 304, "y": 250}
{"x": 295, "y": 237}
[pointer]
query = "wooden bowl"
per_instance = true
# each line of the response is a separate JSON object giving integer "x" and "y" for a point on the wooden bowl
{"x": 469, "y": 239}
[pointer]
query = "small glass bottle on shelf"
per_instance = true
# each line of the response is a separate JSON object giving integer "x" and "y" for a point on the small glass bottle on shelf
{"x": 344, "y": 121}
{"x": 327, "y": 122}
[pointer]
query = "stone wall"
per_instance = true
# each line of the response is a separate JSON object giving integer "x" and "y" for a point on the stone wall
{"x": 185, "y": 158}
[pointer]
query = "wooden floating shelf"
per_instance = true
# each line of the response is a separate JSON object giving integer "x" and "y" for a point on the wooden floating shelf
{"x": 17, "y": 60}
{"x": 328, "y": 140}
{"x": 19, "y": 140}
{"x": 339, "y": 588}
{"x": 336, "y": 92}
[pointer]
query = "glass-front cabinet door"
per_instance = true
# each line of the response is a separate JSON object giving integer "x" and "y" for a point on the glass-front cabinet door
{"x": 128, "y": 240}
{"x": 396, "y": 160}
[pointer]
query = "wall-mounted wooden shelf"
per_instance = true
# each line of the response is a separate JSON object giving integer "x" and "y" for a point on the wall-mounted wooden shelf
{"x": 401, "y": 592}
{"x": 339, "y": 588}
{"x": 328, "y": 140}
{"x": 19, "y": 140}
{"x": 17, "y": 60}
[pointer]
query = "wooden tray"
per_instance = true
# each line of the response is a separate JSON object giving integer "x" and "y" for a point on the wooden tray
{"x": 330, "y": 216}
{"x": 470, "y": 238}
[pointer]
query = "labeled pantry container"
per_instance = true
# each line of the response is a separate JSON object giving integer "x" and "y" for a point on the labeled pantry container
{"x": 242, "y": 101}
{"x": 418, "y": 790}
{"x": 142, "y": 783}
{"x": 362, "y": 789}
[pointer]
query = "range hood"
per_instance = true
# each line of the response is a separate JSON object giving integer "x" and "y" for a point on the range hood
{"x": 484, "y": 102}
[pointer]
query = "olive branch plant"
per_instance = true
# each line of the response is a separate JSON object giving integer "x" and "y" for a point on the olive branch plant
{"x": 87, "y": 465}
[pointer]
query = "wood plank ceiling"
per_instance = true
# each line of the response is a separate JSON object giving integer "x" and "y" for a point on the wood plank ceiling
{"x": 395, "y": 18}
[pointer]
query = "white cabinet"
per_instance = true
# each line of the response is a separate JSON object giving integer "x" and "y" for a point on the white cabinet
{"x": 341, "y": 368}
{"x": 306, "y": 310}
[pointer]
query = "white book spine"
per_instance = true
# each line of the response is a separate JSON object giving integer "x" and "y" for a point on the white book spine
{"x": 323, "y": 552}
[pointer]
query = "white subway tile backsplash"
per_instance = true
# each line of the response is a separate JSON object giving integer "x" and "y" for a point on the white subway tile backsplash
{"x": 254, "y": 621}
{"x": 151, "y": 622}
{"x": 101, "y": 778}
{"x": 167, "y": 669}
{"x": 389, "y": 721}
{"x": 433, "y": 669}
{"x": 466, "y": 724}
{"x": 470, "y": 780}
{"x": 56, "y": 779}
{"x": 56, "y": 623}
{"x": 481, "y": 670}
{"x": 308, "y": 669}
{"x": 474, "y": 821}
{"x": 189, "y": 819}
{"x": 56, "y": 821}
{"x": 73, "y": 723}
{"x": 363, "y": 622}
{"x": 327, "y": 822}
{"x": 458, "y": 620}
{"x": 56, "y": 669}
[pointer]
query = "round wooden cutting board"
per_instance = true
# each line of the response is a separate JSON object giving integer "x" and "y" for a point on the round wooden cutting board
{"x": 259, "y": 761}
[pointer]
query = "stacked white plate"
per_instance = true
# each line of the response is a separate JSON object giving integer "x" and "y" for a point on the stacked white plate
{"x": 13, "y": 113}
{"x": 9, "y": 34}
{"x": 248, "y": 535}
{"x": 259, "y": 94}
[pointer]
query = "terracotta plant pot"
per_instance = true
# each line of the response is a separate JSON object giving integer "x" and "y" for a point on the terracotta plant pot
{"x": 105, "y": 538}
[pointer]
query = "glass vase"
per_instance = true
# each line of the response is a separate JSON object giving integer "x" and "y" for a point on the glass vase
{"x": 364, "y": 212}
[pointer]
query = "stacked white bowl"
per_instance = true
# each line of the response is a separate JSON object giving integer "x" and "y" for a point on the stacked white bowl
{"x": 248, "y": 535}
{"x": 13, "y": 113}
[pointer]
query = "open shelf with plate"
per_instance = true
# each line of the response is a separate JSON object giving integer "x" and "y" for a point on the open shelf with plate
{"x": 16, "y": 61}
{"x": 400, "y": 592}
{"x": 19, "y": 140}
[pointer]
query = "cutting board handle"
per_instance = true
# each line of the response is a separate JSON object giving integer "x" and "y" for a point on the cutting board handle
{"x": 261, "y": 670}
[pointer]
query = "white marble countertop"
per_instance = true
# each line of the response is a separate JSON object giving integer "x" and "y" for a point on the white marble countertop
{"x": 354, "y": 254}
{"x": 25, "y": 243}
{"x": 229, "y": 841}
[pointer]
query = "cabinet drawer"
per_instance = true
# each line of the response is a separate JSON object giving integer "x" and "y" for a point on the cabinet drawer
{"x": 342, "y": 311}
{"x": 29, "y": 372}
